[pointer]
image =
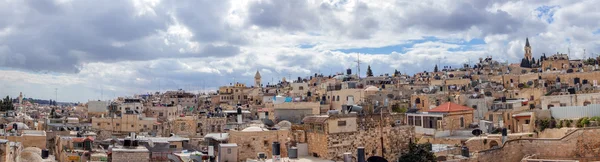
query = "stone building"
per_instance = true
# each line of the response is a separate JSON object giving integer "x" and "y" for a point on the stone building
{"x": 252, "y": 140}
{"x": 125, "y": 124}
{"x": 441, "y": 121}
{"x": 329, "y": 137}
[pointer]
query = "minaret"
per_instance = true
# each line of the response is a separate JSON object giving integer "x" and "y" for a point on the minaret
{"x": 257, "y": 79}
{"x": 527, "y": 50}
{"x": 20, "y": 98}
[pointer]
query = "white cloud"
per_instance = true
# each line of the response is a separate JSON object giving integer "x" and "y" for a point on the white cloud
{"x": 140, "y": 46}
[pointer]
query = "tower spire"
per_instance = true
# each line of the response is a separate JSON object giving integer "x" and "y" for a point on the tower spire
{"x": 527, "y": 42}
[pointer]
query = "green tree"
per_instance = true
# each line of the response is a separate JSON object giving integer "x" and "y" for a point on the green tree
{"x": 435, "y": 69}
{"x": 369, "y": 72}
{"x": 418, "y": 153}
{"x": 6, "y": 104}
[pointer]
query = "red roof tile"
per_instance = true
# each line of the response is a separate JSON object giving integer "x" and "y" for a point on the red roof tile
{"x": 450, "y": 107}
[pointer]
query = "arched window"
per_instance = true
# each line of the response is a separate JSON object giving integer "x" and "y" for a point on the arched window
{"x": 338, "y": 98}
{"x": 418, "y": 101}
{"x": 586, "y": 103}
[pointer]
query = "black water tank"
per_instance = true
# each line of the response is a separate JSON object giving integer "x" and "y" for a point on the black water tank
{"x": 571, "y": 90}
{"x": 135, "y": 143}
{"x": 15, "y": 126}
{"x": 276, "y": 148}
{"x": 348, "y": 71}
{"x": 361, "y": 154}
{"x": 1, "y": 126}
{"x": 504, "y": 132}
{"x": 127, "y": 142}
{"x": 239, "y": 111}
{"x": 465, "y": 151}
{"x": 45, "y": 153}
{"x": 503, "y": 99}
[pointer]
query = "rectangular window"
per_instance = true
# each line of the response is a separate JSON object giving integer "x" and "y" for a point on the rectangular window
{"x": 526, "y": 121}
{"x": 172, "y": 146}
{"x": 418, "y": 120}
{"x": 341, "y": 123}
{"x": 131, "y": 125}
{"x": 563, "y": 104}
{"x": 228, "y": 150}
{"x": 98, "y": 124}
{"x": 118, "y": 124}
{"x": 462, "y": 122}
{"x": 411, "y": 120}
{"x": 491, "y": 117}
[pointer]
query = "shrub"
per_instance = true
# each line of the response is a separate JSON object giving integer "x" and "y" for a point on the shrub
{"x": 560, "y": 124}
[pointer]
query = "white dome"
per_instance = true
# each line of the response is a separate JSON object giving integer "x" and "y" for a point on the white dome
{"x": 371, "y": 89}
{"x": 20, "y": 126}
{"x": 254, "y": 129}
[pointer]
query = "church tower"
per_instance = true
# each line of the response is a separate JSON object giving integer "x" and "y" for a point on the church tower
{"x": 527, "y": 50}
{"x": 257, "y": 79}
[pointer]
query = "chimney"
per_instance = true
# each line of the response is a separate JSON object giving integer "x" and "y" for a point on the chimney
{"x": 361, "y": 154}
{"x": 276, "y": 152}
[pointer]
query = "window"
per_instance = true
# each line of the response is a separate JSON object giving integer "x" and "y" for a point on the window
{"x": 341, "y": 123}
{"x": 474, "y": 107}
{"x": 228, "y": 150}
{"x": 131, "y": 125}
{"x": 145, "y": 126}
{"x": 418, "y": 120}
{"x": 526, "y": 121}
{"x": 563, "y": 104}
{"x": 411, "y": 120}
{"x": 118, "y": 124}
{"x": 462, "y": 122}
{"x": 98, "y": 124}
{"x": 160, "y": 114}
{"x": 301, "y": 88}
{"x": 172, "y": 146}
{"x": 491, "y": 117}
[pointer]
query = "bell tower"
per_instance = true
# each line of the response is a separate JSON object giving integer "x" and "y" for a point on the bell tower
{"x": 527, "y": 50}
{"x": 257, "y": 79}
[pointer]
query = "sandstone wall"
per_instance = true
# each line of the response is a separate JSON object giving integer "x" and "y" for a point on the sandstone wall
{"x": 131, "y": 156}
{"x": 581, "y": 144}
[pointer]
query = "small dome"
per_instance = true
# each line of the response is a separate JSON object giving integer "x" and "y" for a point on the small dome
{"x": 284, "y": 125}
{"x": 254, "y": 129}
{"x": 371, "y": 89}
{"x": 20, "y": 126}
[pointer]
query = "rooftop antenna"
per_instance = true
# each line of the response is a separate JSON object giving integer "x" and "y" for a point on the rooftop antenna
{"x": 56, "y": 94}
{"x": 358, "y": 64}
{"x": 584, "y": 53}
{"x": 568, "y": 51}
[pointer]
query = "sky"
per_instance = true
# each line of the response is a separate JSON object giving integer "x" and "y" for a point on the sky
{"x": 88, "y": 50}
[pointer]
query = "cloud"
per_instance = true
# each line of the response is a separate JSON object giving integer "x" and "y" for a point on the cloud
{"x": 86, "y": 48}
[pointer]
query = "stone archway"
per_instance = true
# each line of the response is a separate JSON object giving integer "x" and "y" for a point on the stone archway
{"x": 493, "y": 144}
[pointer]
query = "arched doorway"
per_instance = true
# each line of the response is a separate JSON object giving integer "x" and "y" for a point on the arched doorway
{"x": 493, "y": 144}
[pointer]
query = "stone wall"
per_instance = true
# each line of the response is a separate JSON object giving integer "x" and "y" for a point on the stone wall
{"x": 131, "y": 156}
{"x": 578, "y": 145}
{"x": 251, "y": 143}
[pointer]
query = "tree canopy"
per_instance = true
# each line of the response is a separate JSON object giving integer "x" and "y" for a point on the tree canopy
{"x": 418, "y": 153}
{"x": 369, "y": 72}
{"x": 6, "y": 104}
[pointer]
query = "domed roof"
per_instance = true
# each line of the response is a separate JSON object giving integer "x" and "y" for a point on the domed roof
{"x": 284, "y": 124}
{"x": 254, "y": 129}
{"x": 371, "y": 89}
{"x": 20, "y": 126}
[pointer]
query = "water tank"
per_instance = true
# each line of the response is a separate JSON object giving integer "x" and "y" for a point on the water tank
{"x": 293, "y": 153}
{"x": 239, "y": 110}
{"x": 465, "y": 151}
{"x": 127, "y": 142}
{"x": 45, "y": 153}
{"x": 276, "y": 148}
{"x": 135, "y": 143}
{"x": 361, "y": 154}
{"x": 348, "y": 71}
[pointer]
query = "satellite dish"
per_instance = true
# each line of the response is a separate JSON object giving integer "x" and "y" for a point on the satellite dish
{"x": 477, "y": 132}
{"x": 426, "y": 90}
